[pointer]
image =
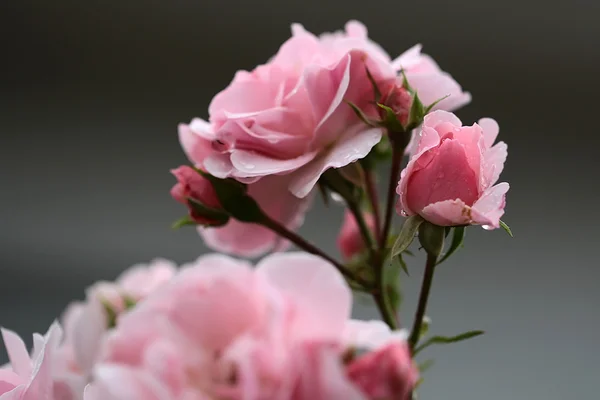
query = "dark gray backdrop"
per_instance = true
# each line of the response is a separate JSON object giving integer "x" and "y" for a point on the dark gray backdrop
{"x": 92, "y": 91}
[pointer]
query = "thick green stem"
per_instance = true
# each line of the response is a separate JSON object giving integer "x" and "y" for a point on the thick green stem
{"x": 422, "y": 305}
{"x": 305, "y": 245}
{"x": 371, "y": 185}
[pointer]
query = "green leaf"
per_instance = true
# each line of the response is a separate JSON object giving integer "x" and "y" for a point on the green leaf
{"x": 425, "y": 325}
{"x": 431, "y": 238}
{"x": 185, "y": 221}
{"x": 407, "y": 234}
{"x": 361, "y": 115}
{"x": 216, "y": 217}
{"x": 376, "y": 91}
{"x": 458, "y": 237}
{"x": 402, "y": 263}
{"x": 416, "y": 113}
{"x": 506, "y": 228}
{"x": 234, "y": 200}
{"x": 429, "y": 107}
{"x": 446, "y": 340}
{"x": 391, "y": 122}
{"x": 405, "y": 83}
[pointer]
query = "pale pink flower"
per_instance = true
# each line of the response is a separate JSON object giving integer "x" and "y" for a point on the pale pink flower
{"x": 350, "y": 241}
{"x": 223, "y": 330}
{"x": 32, "y": 377}
{"x": 190, "y": 184}
{"x": 86, "y": 322}
{"x": 289, "y": 116}
{"x": 253, "y": 240}
{"x": 450, "y": 179}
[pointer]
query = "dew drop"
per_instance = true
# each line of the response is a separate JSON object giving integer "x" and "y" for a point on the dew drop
{"x": 403, "y": 213}
{"x": 337, "y": 198}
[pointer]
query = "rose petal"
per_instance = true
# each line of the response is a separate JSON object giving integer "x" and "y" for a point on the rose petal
{"x": 17, "y": 353}
{"x": 324, "y": 298}
{"x": 493, "y": 164}
{"x": 490, "y": 130}
{"x": 490, "y": 207}
{"x": 448, "y": 213}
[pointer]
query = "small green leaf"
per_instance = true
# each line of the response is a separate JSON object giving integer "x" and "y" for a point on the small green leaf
{"x": 407, "y": 234}
{"x": 111, "y": 315}
{"x": 129, "y": 302}
{"x": 185, "y": 221}
{"x": 405, "y": 83}
{"x": 429, "y": 107}
{"x": 506, "y": 228}
{"x": 234, "y": 200}
{"x": 391, "y": 284}
{"x": 376, "y": 91}
{"x": 457, "y": 240}
{"x": 216, "y": 217}
{"x": 446, "y": 340}
{"x": 391, "y": 122}
{"x": 416, "y": 113}
{"x": 425, "y": 325}
{"x": 361, "y": 115}
{"x": 431, "y": 238}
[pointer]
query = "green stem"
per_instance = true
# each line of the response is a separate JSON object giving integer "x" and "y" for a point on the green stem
{"x": 305, "y": 245}
{"x": 422, "y": 305}
{"x": 380, "y": 300}
{"x": 362, "y": 224}
{"x": 397, "y": 154}
{"x": 374, "y": 199}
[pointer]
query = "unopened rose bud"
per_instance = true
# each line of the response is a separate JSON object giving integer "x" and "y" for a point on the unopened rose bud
{"x": 387, "y": 373}
{"x": 191, "y": 185}
{"x": 349, "y": 241}
{"x": 399, "y": 100}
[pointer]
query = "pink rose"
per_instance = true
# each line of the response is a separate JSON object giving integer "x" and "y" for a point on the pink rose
{"x": 388, "y": 373}
{"x": 190, "y": 184}
{"x": 289, "y": 116}
{"x": 32, "y": 377}
{"x": 222, "y": 329}
{"x": 449, "y": 179}
{"x": 252, "y": 240}
{"x": 350, "y": 241}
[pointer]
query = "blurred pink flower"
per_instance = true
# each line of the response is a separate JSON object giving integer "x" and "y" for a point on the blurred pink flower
{"x": 289, "y": 116}
{"x": 32, "y": 377}
{"x": 449, "y": 180}
{"x": 190, "y": 184}
{"x": 350, "y": 241}
{"x": 223, "y": 330}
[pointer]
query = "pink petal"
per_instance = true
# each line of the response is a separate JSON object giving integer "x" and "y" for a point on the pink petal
{"x": 88, "y": 332}
{"x": 118, "y": 382}
{"x": 218, "y": 165}
{"x": 9, "y": 380}
{"x": 493, "y": 164}
{"x": 447, "y": 177}
{"x": 352, "y": 146}
{"x": 17, "y": 353}
{"x": 248, "y": 163}
{"x": 438, "y": 117}
{"x": 433, "y": 87}
{"x": 408, "y": 59}
{"x": 490, "y": 207}
{"x": 322, "y": 295}
{"x": 370, "y": 334}
{"x": 448, "y": 213}
{"x": 490, "y": 130}
{"x": 195, "y": 146}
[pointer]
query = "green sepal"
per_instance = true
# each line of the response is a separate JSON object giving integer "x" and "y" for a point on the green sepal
{"x": 234, "y": 200}
{"x": 506, "y": 228}
{"x": 447, "y": 340}
{"x": 376, "y": 91}
{"x": 391, "y": 122}
{"x": 407, "y": 234}
{"x": 435, "y": 103}
{"x": 184, "y": 221}
{"x": 431, "y": 238}
{"x": 458, "y": 237}
{"x": 416, "y": 113}
{"x": 215, "y": 216}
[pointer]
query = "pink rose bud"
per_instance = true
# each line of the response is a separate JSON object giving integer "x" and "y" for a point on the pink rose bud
{"x": 190, "y": 184}
{"x": 450, "y": 179}
{"x": 350, "y": 241}
{"x": 387, "y": 373}
{"x": 398, "y": 99}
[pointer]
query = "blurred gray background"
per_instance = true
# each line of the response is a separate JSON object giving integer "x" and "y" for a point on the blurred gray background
{"x": 91, "y": 93}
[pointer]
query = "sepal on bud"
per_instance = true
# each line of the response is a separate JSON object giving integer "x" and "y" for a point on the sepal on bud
{"x": 447, "y": 340}
{"x": 458, "y": 237}
{"x": 431, "y": 238}
{"x": 212, "y": 216}
{"x": 407, "y": 234}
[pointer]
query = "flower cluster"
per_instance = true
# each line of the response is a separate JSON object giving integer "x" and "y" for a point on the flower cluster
{"x": 320, "y": 116}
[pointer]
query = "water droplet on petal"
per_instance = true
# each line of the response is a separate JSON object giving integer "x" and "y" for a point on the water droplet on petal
{"x": 337, "y": 198}
{"x": 403, "y": 213}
